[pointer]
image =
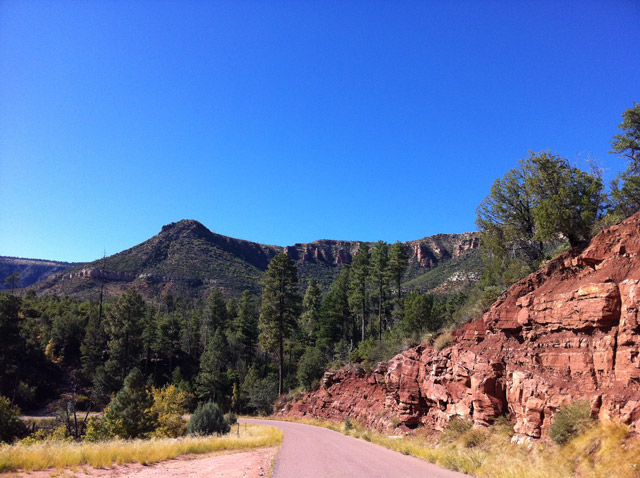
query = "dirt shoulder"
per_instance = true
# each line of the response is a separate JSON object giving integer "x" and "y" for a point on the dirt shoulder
{"x": 244, "y": 464}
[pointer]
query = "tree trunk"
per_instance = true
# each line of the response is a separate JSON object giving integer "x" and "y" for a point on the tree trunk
{"x": 280, "y": 364}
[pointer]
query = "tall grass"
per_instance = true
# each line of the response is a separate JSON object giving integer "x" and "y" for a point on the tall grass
{"x": 52, "y": 454}
{"x": 606, "y": 450}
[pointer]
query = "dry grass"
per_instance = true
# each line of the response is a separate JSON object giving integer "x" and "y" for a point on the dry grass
{"x": 604, "y": 451}
{"x": 53, "y": 454}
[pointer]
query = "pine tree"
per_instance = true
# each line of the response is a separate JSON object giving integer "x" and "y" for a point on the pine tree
{"x": 336, "y": 320}
{"x": 398, "y": 263}
{"x": 380, "y": 274}
{"x": 215, "y": 316}
{"x": 128, "y": 415}
{"x": 280, "y": 308}
{"x": 246, "y": 325}
{"x": 358, "y": 293}
{"x": 124, "y": 326}
{"x": 211, "y": 382}
{"x": 310, "y": 318}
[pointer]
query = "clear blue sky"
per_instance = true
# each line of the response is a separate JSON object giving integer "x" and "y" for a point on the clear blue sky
{"x": 290, "y": 121}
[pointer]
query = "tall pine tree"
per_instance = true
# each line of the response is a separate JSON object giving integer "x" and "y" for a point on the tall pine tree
{"x": 280, "y": 308}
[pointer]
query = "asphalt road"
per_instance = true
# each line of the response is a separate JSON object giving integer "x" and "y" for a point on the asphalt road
{"x": 315, "y": 452}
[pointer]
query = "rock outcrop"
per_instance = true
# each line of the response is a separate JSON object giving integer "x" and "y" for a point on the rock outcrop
{"x": 570, "y": 331}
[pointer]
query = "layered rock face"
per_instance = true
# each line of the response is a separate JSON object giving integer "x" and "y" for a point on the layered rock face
{"x": 570, "y": 331}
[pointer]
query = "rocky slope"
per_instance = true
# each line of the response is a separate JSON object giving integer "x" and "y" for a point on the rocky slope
{"x": 30, "y": 270}
{"x": 569, "y": 331}
{"x": 187, "y": 258}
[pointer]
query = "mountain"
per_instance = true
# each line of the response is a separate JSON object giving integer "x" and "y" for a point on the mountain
{"x": 30, "y": 270}
{"x": 187, "y": 258}
{"x": 568, "y": 332}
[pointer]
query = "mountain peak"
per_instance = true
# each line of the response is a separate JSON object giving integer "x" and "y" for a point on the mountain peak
{"x": 185, "y": 227}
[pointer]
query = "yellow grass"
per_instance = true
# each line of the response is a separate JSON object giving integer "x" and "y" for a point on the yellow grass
{"x": 52, "y": 454}
{"x": 604, "y": 451}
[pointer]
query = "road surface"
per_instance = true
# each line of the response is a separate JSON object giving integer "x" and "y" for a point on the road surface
{"x": 314, "y": 452}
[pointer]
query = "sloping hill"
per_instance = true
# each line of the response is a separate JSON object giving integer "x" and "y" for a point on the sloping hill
{"x": 187, "y": 258}
{"x": 30, "y": 270}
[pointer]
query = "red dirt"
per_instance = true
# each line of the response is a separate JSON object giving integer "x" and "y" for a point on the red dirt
{"x": 244, "y": 464}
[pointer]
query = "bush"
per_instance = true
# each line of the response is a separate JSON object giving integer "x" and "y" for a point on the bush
{"x": 231, "y": 418}
{"x": 169, "y": 404}
{"x": 570, "y": 421}
{"x": 207, "y": 420}
{"x": 456, "y": 427}
{"x": 10, "y": 424}
{"x": 443, "y": 341}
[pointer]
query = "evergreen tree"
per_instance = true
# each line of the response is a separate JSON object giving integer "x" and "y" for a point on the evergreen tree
{"x": 420, "y": 315}
{"x": 212, "y": 382}
{"x": 216, "y": 315}
{"x": 625, "y": 189}
{"x": 380, "y": 274}
{"x": 280, "y": 308}
{"x": 124, "y": 326}
{"x": 545, "y": 200}
{"x": 398, "y": 264}
{"x": 336, "y": 320}
{"x": 129, "y": 414}
{"x": 358, "y": 293}
{"x": 93, "y": 346}
{"x": 11, "y": 342}
{"x": 310, "y": 318}
{"x": 246, "y": 325}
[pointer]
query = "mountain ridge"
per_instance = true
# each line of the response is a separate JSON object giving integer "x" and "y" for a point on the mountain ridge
{"x": 187, "y": 257}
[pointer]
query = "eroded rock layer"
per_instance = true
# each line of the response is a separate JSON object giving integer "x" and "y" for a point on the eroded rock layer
{"x": 570, "y": 331}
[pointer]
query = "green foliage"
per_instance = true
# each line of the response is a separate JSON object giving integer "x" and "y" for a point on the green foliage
{"x": 420, "y": 315}
{"x": 311, "y": 309}
{"x": 231, "y": 418}
{"x": 130, "y": 414}
{"x": 124, "y": 326}
{"x": 625, "y": 189}
{"x": 280, "y": 308}
{"x": 541, "y": 202}
{"x": 311, "y": 367}
{"x": 11, "y": 426}
{"x": 208, "y": 419}
{"x": 570, "y": 421}
{"x": 260, "y": 388}
{"x": 358, "y": 292}
{"x": 456, "y": 428}
{"x": 212, "y": 382}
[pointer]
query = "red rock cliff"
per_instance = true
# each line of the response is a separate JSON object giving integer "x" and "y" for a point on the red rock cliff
{"x": 569, "y": 331}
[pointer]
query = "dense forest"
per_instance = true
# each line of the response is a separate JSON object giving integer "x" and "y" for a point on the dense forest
{"x": 242, "y": 352}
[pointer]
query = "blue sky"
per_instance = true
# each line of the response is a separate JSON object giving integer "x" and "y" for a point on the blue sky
{"x": 284, "y": 122}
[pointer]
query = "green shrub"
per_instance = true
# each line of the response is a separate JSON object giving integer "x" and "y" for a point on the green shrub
{"x": 456, "y": 427}
{"x": 207, "y": 420}
{"x": 10, "y": 424}
{"x": 231, "y": 418}
{"x": 570, "y": 421}
{"x": 129, "y": 414}
{"x": 347, "y": 424}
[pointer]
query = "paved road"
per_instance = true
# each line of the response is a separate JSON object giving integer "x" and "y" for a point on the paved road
{"x": 315, "y": 452}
